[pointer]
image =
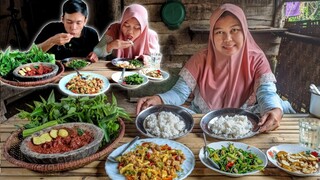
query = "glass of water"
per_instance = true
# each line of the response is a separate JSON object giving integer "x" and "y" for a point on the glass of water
{"x": 309, "y": 132}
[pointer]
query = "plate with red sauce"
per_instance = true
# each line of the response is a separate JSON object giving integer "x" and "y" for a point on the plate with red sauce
{"x": 81, "y": 140}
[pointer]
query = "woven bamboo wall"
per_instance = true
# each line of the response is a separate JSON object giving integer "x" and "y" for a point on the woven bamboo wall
{"x": 298, "y": 67}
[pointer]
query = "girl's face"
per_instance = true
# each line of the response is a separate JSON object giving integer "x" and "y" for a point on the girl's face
{"x": 74, "y": 23}
{"x": 131, "y": 29}
{"x": 228, "y": 35}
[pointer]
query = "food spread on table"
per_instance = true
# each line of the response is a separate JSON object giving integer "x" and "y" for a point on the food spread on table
{"x": 235, "y": 160}
{"x": 134, "y": 79}
{"x": 130, "y": 64}
{"x": 60, "y": 140}
{"x": 155, "y": 73}
{"x": 76, "y": 63}
{"x": 302, "y": 162}
{"x": 151, "y": 161}
{"x": 84, "y": 86}
{"x": 231, "y": 126}
{"x": 35, "y": 70}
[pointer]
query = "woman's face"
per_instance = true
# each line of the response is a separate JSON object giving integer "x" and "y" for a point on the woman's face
{"x": 131, "y": 29}
{"x": 228, "y": 35}
{"x": 74, "y": 23}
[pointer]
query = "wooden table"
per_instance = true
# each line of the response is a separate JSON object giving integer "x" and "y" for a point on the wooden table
{"x": 102, "y": 67}
{"x": 288, "y": 132}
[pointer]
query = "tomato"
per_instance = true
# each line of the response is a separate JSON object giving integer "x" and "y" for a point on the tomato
{"x": 229, "y": 165}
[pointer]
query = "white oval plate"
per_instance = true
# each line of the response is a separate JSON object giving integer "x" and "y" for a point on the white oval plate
{"x": 246, "y": 147}
{"x": 187, "y": 166}
{"x": 290, "y": 148}
{"x": 165, "y": 75}
{"x": 116, "y": 78}
{"x": 66, "y": 79}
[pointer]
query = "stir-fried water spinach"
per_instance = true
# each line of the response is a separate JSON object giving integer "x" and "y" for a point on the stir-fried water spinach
{"x": 234, "y": 160}
{"x": 95, "y": 110}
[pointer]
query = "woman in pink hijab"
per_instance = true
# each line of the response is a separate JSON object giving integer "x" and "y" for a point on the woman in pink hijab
{"x": 231, "y": 72}
{"x": 131, "y": 37}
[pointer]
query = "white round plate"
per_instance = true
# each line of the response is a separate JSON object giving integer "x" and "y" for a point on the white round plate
{"x": 246, "y": 147}
{"x": 118, "y": 61}
{"x": 187, "y": 166}
{"x": 290, "y": 148}
{"x": 116, "y": 78}
{"x": 66, "y": 79}
{"x": 165, "y": 75}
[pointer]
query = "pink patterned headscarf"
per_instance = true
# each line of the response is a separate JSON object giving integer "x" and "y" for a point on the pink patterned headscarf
{"x": 219, "y": 81}
{"x": 146, "y": 43}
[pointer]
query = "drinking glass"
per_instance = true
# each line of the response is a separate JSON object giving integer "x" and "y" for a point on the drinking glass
{"x": 309, "y": 132}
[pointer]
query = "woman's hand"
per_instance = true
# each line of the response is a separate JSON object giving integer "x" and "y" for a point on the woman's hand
{"x": 147, "y": 101}
{"x": 270, "y": 120}
{"x": 92, "y": 57}
{"x": 119, "y": 44}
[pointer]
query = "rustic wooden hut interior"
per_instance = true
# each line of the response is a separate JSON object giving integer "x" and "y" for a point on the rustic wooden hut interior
{"x": 292, "y": 48}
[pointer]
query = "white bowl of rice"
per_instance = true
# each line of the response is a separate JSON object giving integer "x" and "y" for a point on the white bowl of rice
{"x": 164, "y": 121}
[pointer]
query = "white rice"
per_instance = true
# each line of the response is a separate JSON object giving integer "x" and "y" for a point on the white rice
{"x": 165, "y": 124}
{"x": 230, "y": 126}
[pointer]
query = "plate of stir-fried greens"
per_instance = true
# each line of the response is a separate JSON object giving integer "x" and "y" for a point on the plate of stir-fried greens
{"x": 234, "y": 158}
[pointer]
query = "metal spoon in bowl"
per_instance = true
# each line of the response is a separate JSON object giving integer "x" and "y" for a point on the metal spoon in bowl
{"x": 113, "y": 158}
{"x": 206, "y": 153}
{"x": 82, "y": 77}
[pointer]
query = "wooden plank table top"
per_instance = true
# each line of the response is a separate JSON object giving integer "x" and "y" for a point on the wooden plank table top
{"x": 287, "y": 133}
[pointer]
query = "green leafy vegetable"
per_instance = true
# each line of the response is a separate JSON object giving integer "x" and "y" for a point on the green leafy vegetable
{"x": 136, "y": 63}
{"x": 9, "y": 60}
{"x": 80, "y": 131}
{"x": 77, "y": 63}
{"x": 95, "y": 110}
{"x": 134, "y": 79}
{"x": 234, "y": 160}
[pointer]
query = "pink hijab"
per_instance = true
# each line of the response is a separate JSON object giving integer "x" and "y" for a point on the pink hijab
{"x": 146, "y": 43}
{"x": 220, "y": 81}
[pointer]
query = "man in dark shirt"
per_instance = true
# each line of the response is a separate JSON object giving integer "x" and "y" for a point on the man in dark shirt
{"x": 69, "y": 38}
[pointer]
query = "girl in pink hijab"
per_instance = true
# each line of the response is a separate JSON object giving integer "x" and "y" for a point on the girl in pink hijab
{"x": 131, "y": 37}
{"x": 231, "y": 72}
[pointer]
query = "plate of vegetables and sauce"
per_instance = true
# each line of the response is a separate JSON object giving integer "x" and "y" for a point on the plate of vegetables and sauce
{"x": 240, "y": 159}
{"x": 93, "y": 85}
{"x": 295, "y": 159}
{"x": 127, "y": 63}
{"x": 155, "y": 75}
{"x": 75, "y": 63}
{"x": 36, "y": 71}
{"x": 131, "y": 80}
{"x": 180, "y": 160}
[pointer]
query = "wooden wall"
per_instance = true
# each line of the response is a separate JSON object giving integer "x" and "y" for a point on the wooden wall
{"x": 178, "y": 45}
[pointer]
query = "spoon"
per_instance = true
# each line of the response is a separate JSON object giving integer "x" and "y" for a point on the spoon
{"x": 113, "y": 158}
{"x": 122, "y": 75}
{"x": 82, "y": 77}
{"x": 206, "y": 153}
{"x": 314, "y": 89}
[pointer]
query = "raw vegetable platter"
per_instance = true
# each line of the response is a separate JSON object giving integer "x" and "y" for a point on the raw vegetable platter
{"x": 245, "y": 147}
